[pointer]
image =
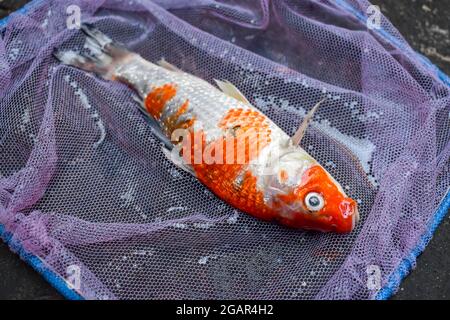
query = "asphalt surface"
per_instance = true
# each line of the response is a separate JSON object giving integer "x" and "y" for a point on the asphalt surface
{"x": 425, "y": 24}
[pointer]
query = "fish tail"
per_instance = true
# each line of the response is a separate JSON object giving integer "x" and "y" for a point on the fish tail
{"x": 100, "y": 54}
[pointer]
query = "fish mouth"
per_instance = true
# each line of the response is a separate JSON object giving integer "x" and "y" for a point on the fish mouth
{"x": 348, "y": 209}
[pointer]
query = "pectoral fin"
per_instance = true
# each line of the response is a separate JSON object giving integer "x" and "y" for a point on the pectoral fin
{"x": 297, "y": 137}
{"x": 229, "y": 89}
{"x": 154, "y": 125}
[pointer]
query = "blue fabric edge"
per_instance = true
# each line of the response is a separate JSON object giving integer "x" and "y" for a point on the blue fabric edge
{"x": 23, "y": 10}
{"x": 36, "y": 263}
{"x": 384, "y": 293}
{"x": 407, "y": 264}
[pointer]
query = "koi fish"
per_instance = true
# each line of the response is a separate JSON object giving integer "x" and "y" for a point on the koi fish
{"x": 230, "y": 146}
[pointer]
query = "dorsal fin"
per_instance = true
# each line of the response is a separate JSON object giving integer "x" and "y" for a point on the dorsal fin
{"x": 298, "y": 135}
{"x": 229, "y": 89}
{"x": 166, "y": 65}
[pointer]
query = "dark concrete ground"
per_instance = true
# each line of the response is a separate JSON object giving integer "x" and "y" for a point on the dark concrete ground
{"x": 425, "y": 24}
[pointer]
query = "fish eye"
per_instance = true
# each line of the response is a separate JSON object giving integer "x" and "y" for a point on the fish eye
{"x": 314, "y": 201}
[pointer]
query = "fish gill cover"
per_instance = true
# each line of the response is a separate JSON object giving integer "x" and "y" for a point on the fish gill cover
{"x": 85, "y": 188}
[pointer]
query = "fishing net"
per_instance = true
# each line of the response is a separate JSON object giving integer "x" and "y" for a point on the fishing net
{"x": 85, "y": 188}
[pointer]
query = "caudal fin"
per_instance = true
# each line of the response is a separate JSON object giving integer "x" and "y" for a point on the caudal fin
{"x": 101, "y": 54}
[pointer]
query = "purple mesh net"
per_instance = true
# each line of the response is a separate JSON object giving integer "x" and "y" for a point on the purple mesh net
{"x": 84, "y": 183}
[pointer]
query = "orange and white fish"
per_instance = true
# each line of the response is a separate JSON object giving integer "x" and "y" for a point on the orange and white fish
{"x": 226, "y": 143}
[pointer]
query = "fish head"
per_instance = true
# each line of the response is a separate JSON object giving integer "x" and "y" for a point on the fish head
{"x": 316, "y": 202}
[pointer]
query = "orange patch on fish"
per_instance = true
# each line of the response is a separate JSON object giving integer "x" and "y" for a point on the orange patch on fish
{"x": 283, "y": 176}
{"x": 316, "y": 179}
{"x": 245, "y": 133}
{"x": 173, "y": 122}
{"x": 158, "y": 97}
{"x": 251, "y": 131}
